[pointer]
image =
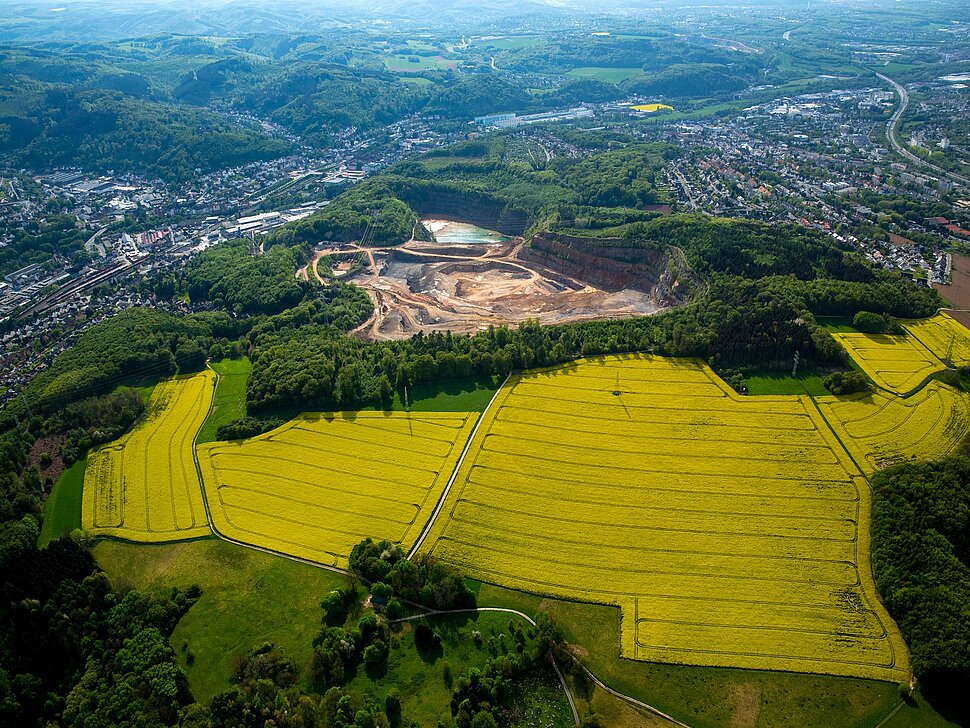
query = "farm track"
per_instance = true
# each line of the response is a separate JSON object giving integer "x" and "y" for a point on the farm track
{"x": 454, "y": 473}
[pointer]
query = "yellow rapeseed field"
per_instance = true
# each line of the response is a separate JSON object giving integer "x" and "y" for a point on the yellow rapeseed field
{"x": 881, "y": 429}
{"x": 319, "y": 484}
{"x": 144, "y": 486}
{"x": 899, "y": 363}
{"x": 946, "y": 337}
{"x": 651, "y": 108}
{"x": 732, "y": 531}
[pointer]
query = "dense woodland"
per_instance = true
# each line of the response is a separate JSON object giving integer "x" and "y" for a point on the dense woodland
{"x": 476, "y": 180}
{"x": 57, "y": 235}
{"x": 921, "y": 558}
{"x": 44, "y": 126}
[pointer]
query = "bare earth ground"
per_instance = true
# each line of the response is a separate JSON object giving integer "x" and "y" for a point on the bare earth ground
{"x": 957, "y": 293}
{"x": 51, "y": 444}
{"x": 421, "y": 286}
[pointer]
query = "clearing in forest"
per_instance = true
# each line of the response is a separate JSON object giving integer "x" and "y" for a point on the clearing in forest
{"x": 899, "y": 363}
{"x": 320, "y": 483}
{"x": 943, "y": 335}
{"x": 880, "y": 429}
{"x": 144, "y": 486}
{"x": 731, "y": 531}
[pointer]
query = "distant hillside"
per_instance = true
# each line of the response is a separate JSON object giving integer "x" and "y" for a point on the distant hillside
{"x": 43, "y": 125}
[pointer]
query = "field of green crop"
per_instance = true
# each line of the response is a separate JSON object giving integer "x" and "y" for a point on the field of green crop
{"x": 230, "y": 395}
{"x": 320, "y": 483}
{"x": 732, "y": 531}
{"x": 63, "y": 507}
{"x": 403, "y": 64}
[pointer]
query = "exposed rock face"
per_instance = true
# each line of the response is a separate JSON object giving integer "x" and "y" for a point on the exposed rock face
{"x": 475, "y": 208}
{"x": 612, "y": 265}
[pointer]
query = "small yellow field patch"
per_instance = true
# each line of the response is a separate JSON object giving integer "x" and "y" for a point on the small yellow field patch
{"x": 899, "y": 363}
{"x": 319, "y": 484}
{"x": 651, "y": 108}
{"x": 732, "y": 531}
{"x": 943, "y": 335}
{"x": 144, "y": 486}
{"x": 881, "y": 429}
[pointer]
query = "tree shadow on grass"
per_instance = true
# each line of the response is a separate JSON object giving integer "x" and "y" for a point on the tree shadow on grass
{"x": 947, "y": 696}
{"x": 377, "y": 670}
{"x": 430, "y": 654}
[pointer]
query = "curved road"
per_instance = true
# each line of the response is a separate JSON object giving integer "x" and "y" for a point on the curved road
{"x": 892, "y": 126}
{"x": 569, "y": 697}
{"x": 523, "y": 615}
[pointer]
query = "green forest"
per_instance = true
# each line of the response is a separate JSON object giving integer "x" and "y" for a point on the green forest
{"x": 921, "y": 558}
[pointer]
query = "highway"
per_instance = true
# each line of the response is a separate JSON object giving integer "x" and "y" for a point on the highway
{"x": 892, "y": 126}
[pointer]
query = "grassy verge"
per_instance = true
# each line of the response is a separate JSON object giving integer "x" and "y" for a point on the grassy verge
{"x": 462, "y": 395}
{"x": 248, "y": 598}
{"x": 784, "y": 383}
{"x": 706, "y": 696}
{"x": 229, "y": 402}
{"x": 62, "y": 509}
{"x": 838, "y": 324}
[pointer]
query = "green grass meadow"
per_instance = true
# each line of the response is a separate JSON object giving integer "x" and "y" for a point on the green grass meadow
{"x": 784, "y": 383}
{"x": 248, "y": 598}
{"x": 229, "y": 402}
{"x": 403, "y": 64}
{"x": 62, "y": 509}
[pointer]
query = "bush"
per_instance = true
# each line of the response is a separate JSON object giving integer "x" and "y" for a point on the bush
{"x": 375, "y": 653}
{"x": 381, "y": 591}
{"x": 246, "y": 427}
{"x": 425, "y": 638}
{"x": 846, "y": 382}
{"x": 875, "y": 323}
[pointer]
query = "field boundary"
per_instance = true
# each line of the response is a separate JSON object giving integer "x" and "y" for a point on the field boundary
{"x": 492, "y": 564}
{"x": 454, "y": 473}
{"x": 208, "y": 512}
